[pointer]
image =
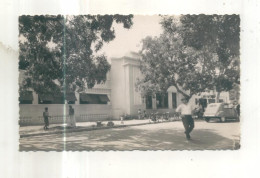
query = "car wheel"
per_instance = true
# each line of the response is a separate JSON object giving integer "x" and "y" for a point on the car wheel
{"x": 207, "y": 119}
{"x": 223, "y": 119}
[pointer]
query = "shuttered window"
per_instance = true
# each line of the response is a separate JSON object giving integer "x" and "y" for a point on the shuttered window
{"x": 86, "y": 98}
{"x": 26, "y": 97}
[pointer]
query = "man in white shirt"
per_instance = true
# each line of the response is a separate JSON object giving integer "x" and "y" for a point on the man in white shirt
{"x": 186, "y": 111}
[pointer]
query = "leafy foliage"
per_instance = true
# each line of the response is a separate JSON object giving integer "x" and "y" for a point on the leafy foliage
{"x": 193, "y": 53}
{"x": 60, "y": 53}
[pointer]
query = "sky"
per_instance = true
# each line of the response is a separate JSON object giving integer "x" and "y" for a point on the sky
{"x": 126, "y": 39}
{"x": 129, "y": 39}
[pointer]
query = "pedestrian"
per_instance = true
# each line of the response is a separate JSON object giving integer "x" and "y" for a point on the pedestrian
{"x": 139, "y": 114}
{"x": 72, "y": 120}
{"x": 122, "y": 119}
{"x": 186, "y": 110}
{"x": 144, "y": 115}
{"x": 237, "y": 107}
{"x": 46, "y": 119}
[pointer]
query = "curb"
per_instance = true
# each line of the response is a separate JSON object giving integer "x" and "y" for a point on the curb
{"x": 87, "y": 129}
{"x": 79, "y": 130}
{"x": 70, "y": 130}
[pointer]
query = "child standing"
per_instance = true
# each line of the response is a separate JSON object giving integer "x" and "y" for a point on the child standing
{"x": 72, "y": 117}
{"x": 46, "y": 119}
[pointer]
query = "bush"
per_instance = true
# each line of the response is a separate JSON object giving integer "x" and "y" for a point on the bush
{"x": 129, "y": 117}
{"x": 110, "y": 124}
{"x": 99, "y": 124}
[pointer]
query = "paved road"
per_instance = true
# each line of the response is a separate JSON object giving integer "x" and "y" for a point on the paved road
{"x": 162, "y": 136}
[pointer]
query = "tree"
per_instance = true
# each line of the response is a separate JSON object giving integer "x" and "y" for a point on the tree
{"x": 61, "y": 53}
{"x": 193, "y": 54}
{"x": 220, "y": 35}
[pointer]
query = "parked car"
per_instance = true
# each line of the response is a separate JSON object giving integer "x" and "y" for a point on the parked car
{"x": 222, "y": 111}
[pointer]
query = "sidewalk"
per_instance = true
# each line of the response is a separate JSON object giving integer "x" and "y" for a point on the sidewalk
{"x": 27, "y": 131}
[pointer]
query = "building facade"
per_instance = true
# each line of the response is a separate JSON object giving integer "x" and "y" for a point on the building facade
{"x": 91, "y": 105}
{"x": 116, "y": 97}
{"x": 124, "y": 96}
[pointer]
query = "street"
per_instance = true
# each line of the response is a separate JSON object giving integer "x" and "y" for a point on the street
{"x": 162, "y": 136}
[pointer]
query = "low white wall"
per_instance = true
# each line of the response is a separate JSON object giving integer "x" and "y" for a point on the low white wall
{"x": 33, "y": 114}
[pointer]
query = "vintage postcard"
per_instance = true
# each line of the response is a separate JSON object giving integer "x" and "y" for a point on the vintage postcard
{"x": 129, "y": 82}
{"x": 94, "y": 88}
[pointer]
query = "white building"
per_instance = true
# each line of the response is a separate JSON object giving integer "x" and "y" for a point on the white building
{"x": 126, "y": 99}
{"x": 118, "y": 96}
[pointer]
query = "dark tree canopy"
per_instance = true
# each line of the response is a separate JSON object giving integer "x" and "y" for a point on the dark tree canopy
{"x": 60, "y": 53}
{"x": 194, "y": 53}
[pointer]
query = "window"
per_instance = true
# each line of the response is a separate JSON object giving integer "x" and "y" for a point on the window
{"x": 162, "y": 100}
{"x": 211, "y": 101}
{"x": 93, "y": 98}
{"x": 148, "y": 101}
{"x": 103, "y": 99}
{"x": 71, "y": 98}
{"x": 174, "y": 100}
{"x": 26, "y": 97}
{"x": 58, "y": 98}
{"x": 45, "y": 99}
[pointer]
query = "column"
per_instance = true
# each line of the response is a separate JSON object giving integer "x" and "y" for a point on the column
{"x": 78, "y": 98}
{"x": 154, "y": 102}
{"x": 126, "y": 90}
{"x": 35, "y": 98}
{"x": 170, "y": 100}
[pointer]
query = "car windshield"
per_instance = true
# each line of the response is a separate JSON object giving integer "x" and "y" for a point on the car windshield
{"x": 212, "y": 108}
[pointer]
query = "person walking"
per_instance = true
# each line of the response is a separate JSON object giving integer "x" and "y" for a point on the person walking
{"x": 46, "y": 119}
{"x": 237, "y": 107}
{"x": 186, "y": 110}
{"x": 72, "y": 117}
{"x": 139, "y": 114}
{"x": 144, "y": 115}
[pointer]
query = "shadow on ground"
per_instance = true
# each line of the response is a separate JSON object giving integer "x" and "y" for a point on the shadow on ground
{"x": 131, "y": 138}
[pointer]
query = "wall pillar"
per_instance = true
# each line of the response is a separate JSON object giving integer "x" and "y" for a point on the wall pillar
{"x": 35, "y": 98}
{"x": 127, "y": 98}
{"x": 178, "y": 98}
{"x": 170, "y": 100}
{"x": 131, "y": 90}
{"x": 154, "y": 106}
{"x": 78, "y": 99}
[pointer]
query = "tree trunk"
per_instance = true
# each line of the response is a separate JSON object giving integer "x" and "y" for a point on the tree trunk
{"x": 217, "y": 98}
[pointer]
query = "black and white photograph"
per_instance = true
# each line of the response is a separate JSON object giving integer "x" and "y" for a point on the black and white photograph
{"x": 129, "y": 82}
{"x": 132, "y": 89}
